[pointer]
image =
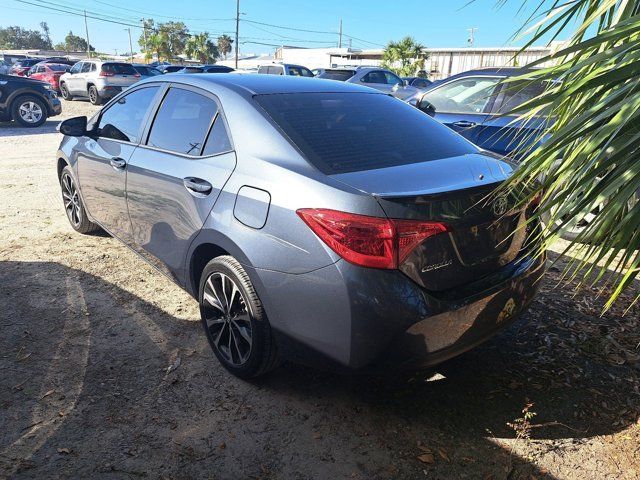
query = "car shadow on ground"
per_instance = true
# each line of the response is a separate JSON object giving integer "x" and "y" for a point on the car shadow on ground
{"x": 10, "y": 129}
{"x": 98, "y": 381}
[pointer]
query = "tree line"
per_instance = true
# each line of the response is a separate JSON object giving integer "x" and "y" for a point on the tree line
{"x": 165, "y": 41}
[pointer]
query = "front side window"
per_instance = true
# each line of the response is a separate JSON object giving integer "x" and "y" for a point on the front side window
{"x": 465, "y": 95}
{"x": 512, "y": 95}
{"x": 276, "y": 70}
{"x": 123, "y": 120}
{"x": 300, "y": 72}
{"x": 392, "y": 79}
{"x": 76, "y": 68}
{"x": 182, "y": 122}
{"x": 349, "y": 132}
{"x": 375, "y": 77}
{"x": 86, "y": 67}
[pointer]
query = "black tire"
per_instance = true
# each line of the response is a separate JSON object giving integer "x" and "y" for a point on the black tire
{"x": 73, "y": 206}
{"x": 64, "y": 91}
{"x": 230, "y": 328}
{"x": 29, "y": 111}
{"x": 94, "y": 96}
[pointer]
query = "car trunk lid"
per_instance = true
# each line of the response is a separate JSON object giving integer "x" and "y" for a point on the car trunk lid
{"x": 485, "y": 231}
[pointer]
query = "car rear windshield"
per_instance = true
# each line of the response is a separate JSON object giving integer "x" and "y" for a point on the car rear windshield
{"x": 119, "y": 68}
{"x": 349, "y": 132}
{"x": 342, "y": 75}
{"x": 58, "y": 67}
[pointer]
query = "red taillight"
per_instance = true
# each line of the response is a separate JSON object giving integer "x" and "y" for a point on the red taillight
{"x": 369, "y": 241}
{"x": 106, "y": 74}
{"x": 137, "y": 75}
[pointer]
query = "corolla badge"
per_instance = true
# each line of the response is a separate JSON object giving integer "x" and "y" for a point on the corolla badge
{"x": 500, "y": 206}
{"x": 436, "y": 266}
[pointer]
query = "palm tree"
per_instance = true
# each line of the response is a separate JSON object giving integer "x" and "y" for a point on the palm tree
{"x": 407, "y": 52}
{"x": 201, "y": 48}
{"x": 587, "y": 167}
{"x": 224, "y": 45}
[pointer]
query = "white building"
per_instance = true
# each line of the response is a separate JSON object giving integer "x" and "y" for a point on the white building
{"x": 441, "y": 62}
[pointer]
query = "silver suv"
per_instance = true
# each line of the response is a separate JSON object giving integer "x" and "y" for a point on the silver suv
{"x": 374, "y": 77}
{"x": 285, "y": 69}
{"x": 97, "y": 80}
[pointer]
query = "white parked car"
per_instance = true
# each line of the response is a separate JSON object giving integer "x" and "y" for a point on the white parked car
{"x": 97, "y": 80}
{"x": 374, "y": 77}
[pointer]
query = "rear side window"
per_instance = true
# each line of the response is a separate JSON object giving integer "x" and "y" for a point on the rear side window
{"x": 182, "y": 122}
{"x": 348, "y": 132}
{"x": 218, "y": 139}
{"x": 123, "y": 120}
{"x": 119, "y": 69}
{"x": 342, "y": 75}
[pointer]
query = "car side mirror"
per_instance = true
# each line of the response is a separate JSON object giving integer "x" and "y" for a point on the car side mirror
{"x": 427, "y": 107}
{"x": 74, "y": 127}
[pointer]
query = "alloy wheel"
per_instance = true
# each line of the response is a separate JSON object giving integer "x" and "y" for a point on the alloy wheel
{"x": 71, "y": 200}
{"x": 227, "y": 318}
{"x": 92, "y": 95}
{"x": 30, "y": 112}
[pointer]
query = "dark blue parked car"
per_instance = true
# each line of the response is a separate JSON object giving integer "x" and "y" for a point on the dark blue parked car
{"x": 471, "y": 103}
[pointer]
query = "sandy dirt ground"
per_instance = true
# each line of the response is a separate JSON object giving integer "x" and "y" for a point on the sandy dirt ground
{"x": 105, "y": 373}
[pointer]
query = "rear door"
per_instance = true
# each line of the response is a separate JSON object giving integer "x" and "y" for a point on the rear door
{"x": 464, "y": 104}
{"x": 174, "y": 180}
{"x": 103, "y": 160}
{"x": 507, "y": 134}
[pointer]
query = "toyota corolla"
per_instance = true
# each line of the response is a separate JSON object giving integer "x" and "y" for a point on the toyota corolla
{"x": 317, "y": 221}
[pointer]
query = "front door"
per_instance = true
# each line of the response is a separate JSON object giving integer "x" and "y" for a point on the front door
{"x": 102, "y": 163}
{"x": 464, "y": 104}
{"x": 174, "y": 180}
{"x": 72, "y": 81}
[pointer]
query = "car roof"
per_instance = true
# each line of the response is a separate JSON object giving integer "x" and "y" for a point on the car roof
{"x": 500, "y": 71}
{"x": 266, "y": 84}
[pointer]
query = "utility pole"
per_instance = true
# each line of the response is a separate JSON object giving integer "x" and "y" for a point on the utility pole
{"x": 86, "y": 31}
{"x": 340, "y": 35}
{"x": 471, "y": 39}
{"x": 130, "y": 46}
{"x": 144, "y": 34}
{"x": 237, "y": 29}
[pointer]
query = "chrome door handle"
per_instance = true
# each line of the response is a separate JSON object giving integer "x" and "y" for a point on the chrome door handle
{"x": 118, "y": 163}
{"x": 464, "y": 124}
{"x": 197, "y": 185}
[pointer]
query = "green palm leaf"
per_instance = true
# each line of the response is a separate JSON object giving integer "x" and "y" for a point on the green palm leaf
{"x": 586, "y": 163}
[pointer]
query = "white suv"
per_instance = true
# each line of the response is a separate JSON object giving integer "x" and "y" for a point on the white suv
{"x": 97, "y": 80}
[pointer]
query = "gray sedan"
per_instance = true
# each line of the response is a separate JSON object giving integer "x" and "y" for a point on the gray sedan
{"x": 317, "y": 221}
{"x": 384, "y": 80}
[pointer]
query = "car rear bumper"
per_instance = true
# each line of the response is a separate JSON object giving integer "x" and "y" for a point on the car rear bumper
{"x": 348, "y": 316}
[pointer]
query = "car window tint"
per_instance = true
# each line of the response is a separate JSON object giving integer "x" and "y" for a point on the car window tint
{"x": 392, "y": 79}
{"x": 347, "y": 132}
{"x": 182, "y": 122}
{"x": 341, "y": 75}
{"x": 76, "y": 68}
{"x": 119, "y": 68}
{"x": 512, "y": 95}
{"x": 86, "y": 67}
{"x": 218, "y": 139}
{"x": 123, "y": 120}
{"x": 465, "y": 95}
{"x": 421, "y": 83}
{"x": 375, "y": 77}
{"x": 58, "y": 67}
{"x": 300, "y": 72}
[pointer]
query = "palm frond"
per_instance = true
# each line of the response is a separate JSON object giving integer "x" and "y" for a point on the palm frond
{"x": 586, "y": 163}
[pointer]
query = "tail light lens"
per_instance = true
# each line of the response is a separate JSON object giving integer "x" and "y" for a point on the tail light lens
{"x": 369, "y": 241}
{"x": 137, "y": 75}
{"x": 106, "y": 74}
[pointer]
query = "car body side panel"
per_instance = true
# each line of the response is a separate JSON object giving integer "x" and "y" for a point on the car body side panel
{"x": 165, "y": 215}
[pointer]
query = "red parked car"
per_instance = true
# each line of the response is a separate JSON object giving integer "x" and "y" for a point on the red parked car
{"x": 21, "y": 67}
{"x": 49, "y": 72}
